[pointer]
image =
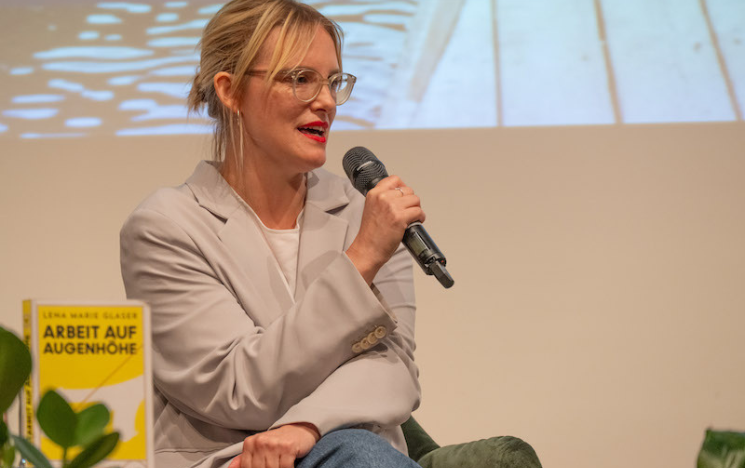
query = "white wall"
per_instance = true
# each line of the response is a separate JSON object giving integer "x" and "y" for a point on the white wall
{"x": 599, "y": 307}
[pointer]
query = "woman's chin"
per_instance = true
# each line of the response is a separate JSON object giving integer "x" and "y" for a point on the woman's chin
{"x": 315, "y": 158}
{"x": 318, "y": 162}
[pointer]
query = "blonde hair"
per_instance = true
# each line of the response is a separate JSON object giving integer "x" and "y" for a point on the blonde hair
{"x": 231, "y": 42}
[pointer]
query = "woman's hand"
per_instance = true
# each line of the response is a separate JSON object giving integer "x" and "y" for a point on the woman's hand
{"x": 278, "y": 448}
{"x": 389, "y": 208}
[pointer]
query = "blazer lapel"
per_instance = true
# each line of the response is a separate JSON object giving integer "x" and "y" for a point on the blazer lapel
{"x": 260, "y": 287}
{"x": 264, "y": 280}
{"x": 322, "y": 234}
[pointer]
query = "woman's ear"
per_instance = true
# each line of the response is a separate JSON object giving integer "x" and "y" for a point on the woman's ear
{"x": 223, "y": 82}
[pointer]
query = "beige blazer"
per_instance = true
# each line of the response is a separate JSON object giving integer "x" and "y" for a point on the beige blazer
{"x": 234, "y": 352}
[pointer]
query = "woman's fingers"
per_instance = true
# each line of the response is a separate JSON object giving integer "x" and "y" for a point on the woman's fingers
{"x": 392, "y": 188}
{"x": 277, "y": 448}
{"x": 404, "y": 190}
{"x": 390, "y": 199}
{"x": 235, "y": 462}
{"x": 389, "y": 208}
{"x": 389, "y": 183}
{"x": 415, "y": 213}
{"x": 286, "y": 461}
{"x": 271, "y": 460}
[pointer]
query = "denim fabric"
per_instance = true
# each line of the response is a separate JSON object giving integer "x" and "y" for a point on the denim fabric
{"x": 354, "y": 448}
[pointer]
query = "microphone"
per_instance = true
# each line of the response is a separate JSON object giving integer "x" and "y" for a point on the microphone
{"x": 365, "y": 171}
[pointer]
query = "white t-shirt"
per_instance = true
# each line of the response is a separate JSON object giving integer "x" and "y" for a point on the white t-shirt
{"x": 284, "y": 244}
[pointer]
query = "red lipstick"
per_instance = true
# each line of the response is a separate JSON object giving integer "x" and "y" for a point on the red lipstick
{"x": 315, "y": 130}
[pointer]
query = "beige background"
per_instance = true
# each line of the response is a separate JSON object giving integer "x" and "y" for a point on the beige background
{"x": 599, "y": 305}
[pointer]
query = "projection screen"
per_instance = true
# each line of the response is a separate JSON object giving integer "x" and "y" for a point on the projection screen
{"x": 78, "y": 68}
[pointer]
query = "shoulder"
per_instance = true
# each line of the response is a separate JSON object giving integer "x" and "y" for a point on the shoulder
{"x": 202, "y": 199}
{"x": 162, "y": 211}
{"x": 168, "y": 200}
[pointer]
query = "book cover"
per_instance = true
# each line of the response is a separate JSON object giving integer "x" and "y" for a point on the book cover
{"x": 92, "y": 353}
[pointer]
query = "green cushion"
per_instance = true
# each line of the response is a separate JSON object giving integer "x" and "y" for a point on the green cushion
{"x": 497, "y": 452}
{"x": 417, "y": 439}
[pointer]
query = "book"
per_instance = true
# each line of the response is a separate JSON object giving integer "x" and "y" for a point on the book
{"x": 89, "y": 353}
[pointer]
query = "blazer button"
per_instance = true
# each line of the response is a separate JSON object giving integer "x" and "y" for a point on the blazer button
{"x": 372, "y": 339}
{"x": 365, "y": 343}
{"x": 380, "y": 332}
{"x": 357, "y": 348}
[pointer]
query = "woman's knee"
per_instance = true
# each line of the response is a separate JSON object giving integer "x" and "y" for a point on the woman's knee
{"x": 356, "y": 448}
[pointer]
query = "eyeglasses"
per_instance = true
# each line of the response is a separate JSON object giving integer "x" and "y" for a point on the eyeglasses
{"x": 307, "y": 83}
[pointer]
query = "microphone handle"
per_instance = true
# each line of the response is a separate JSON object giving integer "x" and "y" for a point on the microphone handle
{"x": 424, "y": 250}
{"x": 417, "y": 240}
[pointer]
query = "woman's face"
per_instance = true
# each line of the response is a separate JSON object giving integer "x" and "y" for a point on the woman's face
{"x": 276, "y": 122}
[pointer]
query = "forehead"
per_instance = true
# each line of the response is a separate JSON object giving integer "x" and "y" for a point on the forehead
{"x": 317, "y": 50}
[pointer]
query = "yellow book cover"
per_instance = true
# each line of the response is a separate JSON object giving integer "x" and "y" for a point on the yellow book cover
{"x": 93, "y": 352}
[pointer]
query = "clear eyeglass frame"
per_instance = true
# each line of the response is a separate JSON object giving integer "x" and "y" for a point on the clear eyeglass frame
{"x": 307, "y": 83}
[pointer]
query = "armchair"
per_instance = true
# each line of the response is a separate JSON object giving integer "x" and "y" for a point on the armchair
{"x": 496, "y": 452}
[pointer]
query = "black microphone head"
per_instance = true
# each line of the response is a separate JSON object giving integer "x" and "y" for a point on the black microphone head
{"x": 363, "y": 168}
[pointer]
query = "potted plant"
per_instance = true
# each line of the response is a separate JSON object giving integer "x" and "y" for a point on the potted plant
{"x": 82, "y": 433}
{"x": 722, "y": 449}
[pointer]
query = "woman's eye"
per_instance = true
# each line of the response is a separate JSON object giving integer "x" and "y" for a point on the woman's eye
{"x": 303, "y": 79}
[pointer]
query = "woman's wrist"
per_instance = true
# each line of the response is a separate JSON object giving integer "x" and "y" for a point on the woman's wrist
{"x": 368, "y": 269}
{"x": 310, "y": 428}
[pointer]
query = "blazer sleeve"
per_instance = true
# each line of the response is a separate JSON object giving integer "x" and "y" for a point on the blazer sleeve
{"x": 379, "y": 387}
{"x": 214, "y": 363}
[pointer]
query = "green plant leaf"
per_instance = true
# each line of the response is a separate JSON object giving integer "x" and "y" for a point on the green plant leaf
{"x": 15, "y": 366}
{"x": 9, "y": 455}
{"x": 57, "y": 419}
{"x": 31, "y": 453}
{"x": 4, "y": 434}
{"x": 6, "y": 450}
{"x": 96, "y": 451}
{"x": 91, "y": 423}
{"x": 722, "y": 449}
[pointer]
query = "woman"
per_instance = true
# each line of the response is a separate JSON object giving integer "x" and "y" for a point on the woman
{"x": 282, "y": 302}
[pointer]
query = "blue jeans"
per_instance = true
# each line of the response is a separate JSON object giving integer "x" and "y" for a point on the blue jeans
{"x": 354, "y": 448}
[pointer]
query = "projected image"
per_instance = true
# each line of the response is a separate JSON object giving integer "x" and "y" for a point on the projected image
{"x": 79, "y": 68}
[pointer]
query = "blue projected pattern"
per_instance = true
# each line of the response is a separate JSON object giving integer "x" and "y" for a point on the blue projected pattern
{"x": 124, "y": 68}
